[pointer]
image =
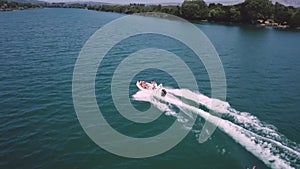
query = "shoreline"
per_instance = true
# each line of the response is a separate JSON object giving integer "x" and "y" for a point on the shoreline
{"x": 19, "y": 9}
{"x": 6, "y": 6}
{"x": 275, "y": 15}
{"x": 262, "y": 25}
{"x": 213, "y": 22}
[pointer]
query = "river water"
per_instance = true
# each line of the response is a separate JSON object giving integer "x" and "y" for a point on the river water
{"x": 39, "y": 126}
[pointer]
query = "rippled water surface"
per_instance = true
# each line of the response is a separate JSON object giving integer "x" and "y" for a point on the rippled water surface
{"x": 39, "y": 127}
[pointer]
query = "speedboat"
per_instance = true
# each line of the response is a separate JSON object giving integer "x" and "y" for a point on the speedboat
{"x": 151, "y": 87}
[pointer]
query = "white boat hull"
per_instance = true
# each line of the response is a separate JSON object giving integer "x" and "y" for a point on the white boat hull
{"x": 151, "y": 88}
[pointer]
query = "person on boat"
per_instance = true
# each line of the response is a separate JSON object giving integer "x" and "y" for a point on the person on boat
{"x": 142, "y": 83}
{"x": 154, "y": 85}
{"x": 163, "y": 92}
{"x": 145, "y": 85}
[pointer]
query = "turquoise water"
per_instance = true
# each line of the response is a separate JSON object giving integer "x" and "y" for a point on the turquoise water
{"x": 39, "y": 126}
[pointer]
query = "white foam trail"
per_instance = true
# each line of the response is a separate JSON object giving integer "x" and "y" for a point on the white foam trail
{"x": 146, "y": 97}
{"x": 211, "y": 103}
{"x": 243, "y": 119}
{"x": 262, "y": 141}
{"x": 165, "y": 107}
{"x": 258, "y": 145}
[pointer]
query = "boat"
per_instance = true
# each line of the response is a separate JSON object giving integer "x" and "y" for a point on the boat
{"x": 151, "y": 87}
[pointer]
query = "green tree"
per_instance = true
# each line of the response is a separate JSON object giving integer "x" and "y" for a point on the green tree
{"x": 195, "y": 9}
{"x": 234, "y": 14}
{"x": 295, "y": 20}
{"x": 173, "y": 10}
{"x": 253, "y": 10}
{"x": 216, "y": 12}
{"x": 282, "y": 13}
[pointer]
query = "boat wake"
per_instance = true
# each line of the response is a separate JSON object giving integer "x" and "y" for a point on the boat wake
{"x": 259, "y": 138}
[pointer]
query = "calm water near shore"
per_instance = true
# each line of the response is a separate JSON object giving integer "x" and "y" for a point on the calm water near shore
{"x": 39, "y": 126}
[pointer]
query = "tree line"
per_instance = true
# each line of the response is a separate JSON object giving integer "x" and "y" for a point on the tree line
{"x": 10, "y": 5}
{"x": 247, "y": 12}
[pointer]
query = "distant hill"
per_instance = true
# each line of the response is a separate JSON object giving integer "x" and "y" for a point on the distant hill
{"x": 295, "y": 3}
{"x": 162, "y": 3}
{"x": 67, "y": 2}
{"x": 86, "y": 2}
{"x": 224, "y": 2}
{"x": 29, "y": 1}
